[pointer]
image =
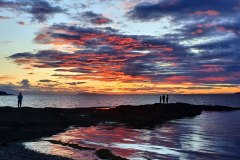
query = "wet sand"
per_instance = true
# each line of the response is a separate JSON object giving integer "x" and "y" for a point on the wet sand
{"x": 19, "y": 125}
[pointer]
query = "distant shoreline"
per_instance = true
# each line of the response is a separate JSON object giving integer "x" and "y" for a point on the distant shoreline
{"x": 96, "y": 94}
{"x": 5, "y": 94}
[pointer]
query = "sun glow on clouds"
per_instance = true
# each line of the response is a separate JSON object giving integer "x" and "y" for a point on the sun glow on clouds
{"x": 132, "y": 46}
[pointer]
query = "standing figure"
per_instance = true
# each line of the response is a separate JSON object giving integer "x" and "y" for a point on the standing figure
{"x": 160, "y": 99}
{"x": 163, "y": 99}
{"x": 167, "y": 99}
{"x": 20, "y": 97}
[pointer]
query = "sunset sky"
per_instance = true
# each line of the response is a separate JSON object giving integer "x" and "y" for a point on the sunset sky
{"x": 120, "y": 46}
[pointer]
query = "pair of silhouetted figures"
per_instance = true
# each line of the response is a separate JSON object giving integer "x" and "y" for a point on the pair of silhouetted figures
{"x": 163, "y": 99}
{"x": 20, "y": 98}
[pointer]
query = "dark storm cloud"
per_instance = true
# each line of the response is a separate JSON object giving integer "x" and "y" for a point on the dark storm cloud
{"x": 225, "y": 53}
{"x": 40, "y": 10}
{"x": 25, "y": 83}
{"x": 10, "y": 4}
{"x": 78, "y": 29}
{"x": 216, "y": 60}
{"x": 224, "y": 44}
{"x": 94, "y": 18}
{"x": 206, "y": 29}
{"x": 176, "y": 8}
{"x": 22, "y": 55}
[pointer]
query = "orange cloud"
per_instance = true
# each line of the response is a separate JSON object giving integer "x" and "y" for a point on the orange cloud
{"x": 211, "y": 68}
{"x": 178, "y": 79}
{"x": 83, "y": 38}
{"x": 215, "y": 79}
{"x": 101, "y": 21}
{"x": 208, "y": 12}
{"x": 199, "y": 31}
{"x": 3, "y": 78}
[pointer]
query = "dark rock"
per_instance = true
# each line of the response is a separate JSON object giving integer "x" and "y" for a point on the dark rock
{"x": 3, "y": 93}
{"x": 28, "y": 123}
{"x": 107, "y": 154}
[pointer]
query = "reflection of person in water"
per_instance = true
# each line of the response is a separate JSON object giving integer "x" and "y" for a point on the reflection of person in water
{"x": 20, "y": 97}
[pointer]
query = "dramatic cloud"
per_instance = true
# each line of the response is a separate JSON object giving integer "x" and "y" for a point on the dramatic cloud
{"x": 94, "y": 18}
{"x": 25, "y": 83}
{"x": 10, "y": 4}
{"x": 153, "y": 11}
{"x": 184, "y": 44}
{"x": 40, "y": 10}
{"x": 106, "y": 55}
{"x": 104, "y": 40}
{"x": 20, "y": 86}
{"x": 25, "y": 87}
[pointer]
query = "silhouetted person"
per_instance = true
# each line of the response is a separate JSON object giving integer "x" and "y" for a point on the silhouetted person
{"x": 163, "y": 99}
{"x": 20, "y": 97}
{"x": 167, "y": 99}
{"x": 160, "y": 99}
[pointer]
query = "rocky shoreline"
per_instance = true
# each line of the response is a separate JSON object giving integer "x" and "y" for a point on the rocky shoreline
{"x": 18, "y": 125}
{"x": 4, "y": 94}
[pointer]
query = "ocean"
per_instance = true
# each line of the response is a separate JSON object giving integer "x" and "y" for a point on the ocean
{"x": 77, "y": 101}
{"x": 211, "y": 135}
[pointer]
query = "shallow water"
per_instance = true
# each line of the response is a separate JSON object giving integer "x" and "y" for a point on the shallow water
{"x": 60, "y": 101}
{"x": 211, "y": 135}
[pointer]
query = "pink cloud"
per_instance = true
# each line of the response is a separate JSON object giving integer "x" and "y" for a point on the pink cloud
{"x": 21, "y": 23}
{"x": 208, "y": 12}
{"x": 178, "y": 79}
{"x": 4, "y": 17}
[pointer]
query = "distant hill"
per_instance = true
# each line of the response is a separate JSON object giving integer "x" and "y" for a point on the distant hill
{"x": 4, "y": 93}
{"x": 88, "y": 94}
{"x": 238, "y": 93}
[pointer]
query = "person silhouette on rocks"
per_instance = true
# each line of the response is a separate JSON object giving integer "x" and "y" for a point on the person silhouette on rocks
{"x": 20, "y": 98}
{"x": 167, "y": 99}
{"x": 163, "y": 99}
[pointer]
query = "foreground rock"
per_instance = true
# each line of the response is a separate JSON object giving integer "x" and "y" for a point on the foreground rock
{"x": 28, "y": 123}
{"x": 18, "y": 152}
{"x": 17, "y": 125}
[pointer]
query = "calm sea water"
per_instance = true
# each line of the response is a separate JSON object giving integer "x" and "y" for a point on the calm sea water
{"x": 211, "y": 135}
{"x": 60, "y": 101}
